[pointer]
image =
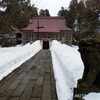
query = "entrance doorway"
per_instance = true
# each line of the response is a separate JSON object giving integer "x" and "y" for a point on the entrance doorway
{"x": 45, "y": 44}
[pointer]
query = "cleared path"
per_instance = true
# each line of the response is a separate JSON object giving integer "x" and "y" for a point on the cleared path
{"x": 31, "y": 81}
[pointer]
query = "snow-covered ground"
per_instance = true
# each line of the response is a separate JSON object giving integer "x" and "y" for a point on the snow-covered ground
{"x": 92, "y": 96}
{"x": 68, "y": 68}
{"x": 13, "y": 57}
{"x": 67, "y": 64}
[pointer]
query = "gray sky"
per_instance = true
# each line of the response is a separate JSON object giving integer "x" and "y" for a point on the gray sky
{"x": 53, "y": 5}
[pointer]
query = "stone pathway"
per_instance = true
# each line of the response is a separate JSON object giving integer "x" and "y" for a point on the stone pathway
{"x": 31, "y": 81}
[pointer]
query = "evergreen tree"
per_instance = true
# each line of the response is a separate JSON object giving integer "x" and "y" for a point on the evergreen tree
{"x": 17, "y": 14}
{"x": 47, "y": 12}
{"x": 44, "y": 12}
{"x": 62, "y": 12}
{"x": 65, "y": 13}
{"x": 87, "y": 20}
{"x": 86, "y": 16}
{"x": 73, "y": 7}
{"x": 93, "y": 4}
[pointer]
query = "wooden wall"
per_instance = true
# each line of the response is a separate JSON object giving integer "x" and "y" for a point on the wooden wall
{"x": 62, "y": 36}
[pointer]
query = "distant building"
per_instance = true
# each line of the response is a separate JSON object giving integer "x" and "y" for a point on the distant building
{"x": 47, "y": 28}
{"x": 39, "y": 28}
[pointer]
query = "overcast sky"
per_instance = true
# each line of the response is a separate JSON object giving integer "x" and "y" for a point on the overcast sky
{"x": 53, "y": 5}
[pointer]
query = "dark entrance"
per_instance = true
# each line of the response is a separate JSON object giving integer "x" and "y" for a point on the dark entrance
{"x": 45, "y": 44}
{"x": 18, "y": 38}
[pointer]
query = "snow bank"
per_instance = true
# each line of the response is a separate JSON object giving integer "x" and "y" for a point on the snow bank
{"x": 92, "y": 96}
{"x": 68, "y": 68}
{"x": 11, "y": 58}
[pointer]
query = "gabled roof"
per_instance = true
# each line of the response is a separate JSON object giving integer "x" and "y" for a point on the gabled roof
{"x": 46, "y": 24}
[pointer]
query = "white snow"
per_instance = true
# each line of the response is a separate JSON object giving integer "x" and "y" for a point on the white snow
{"x": 13, "y": 57}
{"x": 92, "y": 96}
{"x": 68, "y": 68}
{"x": 3, "y": 9}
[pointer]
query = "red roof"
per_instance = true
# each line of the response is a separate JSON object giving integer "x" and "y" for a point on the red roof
{"x": 46, "y": 24}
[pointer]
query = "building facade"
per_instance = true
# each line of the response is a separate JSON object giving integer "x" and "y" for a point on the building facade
{"x": 46, "y": 29}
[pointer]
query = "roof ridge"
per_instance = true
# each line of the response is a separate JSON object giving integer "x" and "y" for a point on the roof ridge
{"x": 49, "y": 17}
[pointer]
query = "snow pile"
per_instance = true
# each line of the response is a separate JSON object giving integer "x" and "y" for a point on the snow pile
{"x": 11, "y": 58}
{"x": 68, "y": 68}
{"x": 92, "y": 96}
